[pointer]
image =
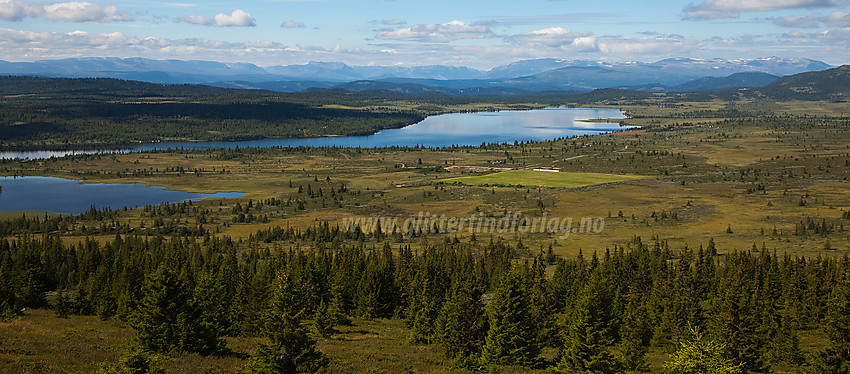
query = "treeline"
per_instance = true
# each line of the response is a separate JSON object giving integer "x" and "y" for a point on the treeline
{"x": 57, "y": 112}
{"x": 479, "y": 301}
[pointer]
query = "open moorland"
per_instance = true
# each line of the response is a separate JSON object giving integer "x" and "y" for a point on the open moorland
{"x": 671, "y": 226}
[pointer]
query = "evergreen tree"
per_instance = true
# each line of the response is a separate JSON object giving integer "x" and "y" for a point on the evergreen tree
{"x": 461, "y": 326}
{"x": 698, "y": 355}
{"x": 61, "y": 306}
{"x": 210, "y": 310}
{"x": 635, "y": 334}
{"x": 512, "y": 338}
{"x": 167, "y": 320}
{"x": 835, "y": 358}
{"x": 289, "y": 348}
{"x": 586, "y": 340}
{"x": 734, "y": 324}
{"x": 324, "y": 320}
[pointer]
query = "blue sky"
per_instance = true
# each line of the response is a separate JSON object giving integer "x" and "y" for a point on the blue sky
{"x": 479, "y": 34}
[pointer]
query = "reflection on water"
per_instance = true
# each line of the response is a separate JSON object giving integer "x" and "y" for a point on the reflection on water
{"x": 445, "y": 130}
{"x": 69, "y": 196}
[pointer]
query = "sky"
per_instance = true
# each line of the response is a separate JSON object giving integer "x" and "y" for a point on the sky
{"x": 478, "y": 34}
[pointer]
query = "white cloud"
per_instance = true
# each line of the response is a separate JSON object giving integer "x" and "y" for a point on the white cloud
{"x": 72, "y": 11}
{"x": 195, "y": 19}
{"x": 837, "y": 19}
{"x": 309, "y": 47}
{"x": 556, "y": 40}
{"x": 714, "y": 9}
{"x": 16, "y": 10}
{"x": 830, "y": 37}
{"x": 239, "y": 17}
{"x": 662, "y": 45}
{"x": 392, "y": 22}
{"x": 558, "y": 37}
{"x": 840, "y": 36}
{"x": 438, "y": 33}
{"x": 809, "y": 21}
{"x": 29, "y": 45}
{"x": 292, "y": 25}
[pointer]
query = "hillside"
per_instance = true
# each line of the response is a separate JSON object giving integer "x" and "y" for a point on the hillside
{"x": 734, "y": 81}
{"x": 47, "y": 113}
{"x": 830, "y": 85}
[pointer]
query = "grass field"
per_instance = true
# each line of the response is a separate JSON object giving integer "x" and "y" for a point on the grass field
{"x": 543, "y": 179}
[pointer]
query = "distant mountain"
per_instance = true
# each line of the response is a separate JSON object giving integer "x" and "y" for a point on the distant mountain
{"x": 520, "y": 76}
{"x": 527, "y": 67}
{"x": 670, "y": 72}
{"x": 832, "y": 85}
{"x": 279, "y": 86}
{"x": 414, "y": 88}
{"x": 317, "y": 71}
{"x": 734, "y": 81}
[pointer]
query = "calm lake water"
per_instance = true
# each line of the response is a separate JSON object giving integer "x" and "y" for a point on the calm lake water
{"x": 438, "y": 131}
{"x": 69, "y": 196}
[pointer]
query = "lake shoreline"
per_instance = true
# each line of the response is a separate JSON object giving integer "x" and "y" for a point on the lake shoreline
{"x": 595, "y": 125}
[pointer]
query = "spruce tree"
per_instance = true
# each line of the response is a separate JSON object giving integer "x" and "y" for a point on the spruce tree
{"x": 698, "y": 355}
{"x": 734, "y": 323}
{"x": 512, "y": 338}
{"x": 61, "y": 306}
{"x": 461, "y": 326}
{"x": 324, "y": 320}
{"x": 289, "y": 348}
{"x": 167, "y": 319}
{"x": 835, "y": 358}
{"x": 635, "y": 334}
{"x": 586, "y": 338}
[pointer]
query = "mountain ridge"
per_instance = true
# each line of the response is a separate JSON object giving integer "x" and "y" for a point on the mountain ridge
{"x": 524, "y": 75}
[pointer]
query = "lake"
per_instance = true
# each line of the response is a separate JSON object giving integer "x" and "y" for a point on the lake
{"x": 462, "y": 129}
{"x": 70, "y": 196}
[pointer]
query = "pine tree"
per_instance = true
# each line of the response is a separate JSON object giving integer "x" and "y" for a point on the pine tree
{"x": 324, "y": 320}
{"x": 167, "y": 320}
{"x": 290, "y": 348}
{"x": 210, "y": 310}
{"x": 698, "y": 355}
{"x": 426, "y": 300}
{"x": 461, "y": 326}
{"x": 512, "y": 338}
{"x": 785, "y": 346}
{"x": 835, "y": 358}
{"x": 586, "y": 340}
{"x": 635, "y": 334}
{"x": 734, "y": 323}
{"x": 61, "y": 306}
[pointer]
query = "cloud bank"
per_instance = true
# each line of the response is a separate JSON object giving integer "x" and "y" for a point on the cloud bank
{"x": 438, "y": 33}
{"x": 72, "y": 11}
{"x": 239, "y": 17}
{"x": 715, "y": 9}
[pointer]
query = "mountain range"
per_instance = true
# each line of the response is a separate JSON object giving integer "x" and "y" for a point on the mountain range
{"x": 674, "y": 74}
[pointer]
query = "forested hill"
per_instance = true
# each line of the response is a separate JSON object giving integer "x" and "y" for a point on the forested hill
{"x": 59, "y": 113}
{"x": 830, "y": 85}
{"x": 38, "y": 113}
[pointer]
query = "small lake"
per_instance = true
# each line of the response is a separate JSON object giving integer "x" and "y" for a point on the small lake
{"x": 70, "y": 196}
{"x": 461, "y": 129}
